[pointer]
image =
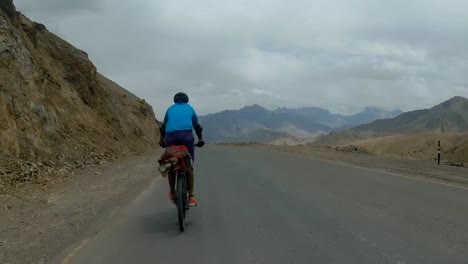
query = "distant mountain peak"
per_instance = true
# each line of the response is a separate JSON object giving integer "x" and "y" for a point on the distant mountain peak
{"x": 457, "y": 99}
{"x": 254, "y": 107}
{"x": 450, "y": 102}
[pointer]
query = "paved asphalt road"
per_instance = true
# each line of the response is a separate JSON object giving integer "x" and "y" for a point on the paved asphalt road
{"x": 268, "y": 207}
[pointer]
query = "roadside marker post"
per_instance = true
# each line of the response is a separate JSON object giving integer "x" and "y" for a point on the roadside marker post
{"x": 438, "y": 153}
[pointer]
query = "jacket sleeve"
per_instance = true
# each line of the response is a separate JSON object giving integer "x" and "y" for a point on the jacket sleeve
{"x": 162, "y": 129}
{"x": 197, "y": 127}
{"x": 194, "y": 118}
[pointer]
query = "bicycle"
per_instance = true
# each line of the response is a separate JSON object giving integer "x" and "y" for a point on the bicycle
{"x": 179, "y": 162}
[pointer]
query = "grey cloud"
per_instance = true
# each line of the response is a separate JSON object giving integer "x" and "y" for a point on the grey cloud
{"x": 340, "y": 54}
{"x": 57, "y": 7}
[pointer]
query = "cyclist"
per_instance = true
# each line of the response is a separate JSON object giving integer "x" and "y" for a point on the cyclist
{"x": 179, "y": 122}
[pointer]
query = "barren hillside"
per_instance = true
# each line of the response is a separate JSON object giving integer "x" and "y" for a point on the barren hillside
{"x": 56, "y": 110}
{"x": 454, "y": 147}
{"x": 450, "y": 116}
{"x": 342, "y": 137}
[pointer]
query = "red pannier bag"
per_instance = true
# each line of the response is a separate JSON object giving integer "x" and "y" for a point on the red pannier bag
{"x": 174, "y": 157}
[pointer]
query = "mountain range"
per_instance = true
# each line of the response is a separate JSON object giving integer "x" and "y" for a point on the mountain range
{"x": 258, "y": 124}
{"x": 329, "y": 119}
{"x": 450, "y": 116}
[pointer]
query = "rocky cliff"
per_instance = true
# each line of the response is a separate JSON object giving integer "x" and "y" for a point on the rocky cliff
{"x": 56, "y": 110}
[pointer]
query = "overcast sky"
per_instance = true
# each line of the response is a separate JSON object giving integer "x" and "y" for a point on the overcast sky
{"x": 338, "y": 54}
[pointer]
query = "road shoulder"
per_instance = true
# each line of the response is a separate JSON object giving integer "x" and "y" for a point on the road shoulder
{"x": 38, "y": 223}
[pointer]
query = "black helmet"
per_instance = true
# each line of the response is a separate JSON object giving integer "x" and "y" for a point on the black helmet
{"x": 181, "y": 98}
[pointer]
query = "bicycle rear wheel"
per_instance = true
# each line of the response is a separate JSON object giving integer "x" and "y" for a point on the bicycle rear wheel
{"x": 181, "y": 200}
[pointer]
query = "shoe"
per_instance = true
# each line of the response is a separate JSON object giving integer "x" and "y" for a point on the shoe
{"x": 192, "y": 201}
{"x": 172, "y": 197}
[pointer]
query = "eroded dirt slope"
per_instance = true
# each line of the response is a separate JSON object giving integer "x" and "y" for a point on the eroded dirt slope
{"x": 57, "y": 113}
